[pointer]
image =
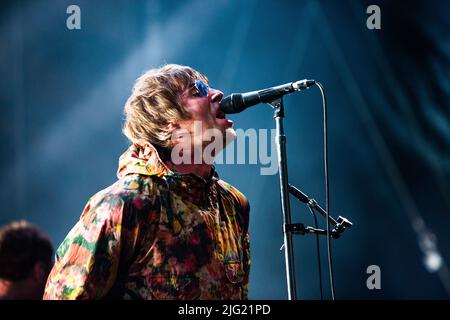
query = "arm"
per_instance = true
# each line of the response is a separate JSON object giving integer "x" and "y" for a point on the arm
{"x": 246, "y": 251}
{"x": 87, "y": 261}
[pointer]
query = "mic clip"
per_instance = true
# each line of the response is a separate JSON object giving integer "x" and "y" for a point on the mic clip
{"x": 342, "y": 224}
{"x": 339, "y": 225}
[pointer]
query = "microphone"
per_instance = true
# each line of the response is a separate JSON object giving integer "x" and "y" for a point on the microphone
{"x": 237, "y": 102}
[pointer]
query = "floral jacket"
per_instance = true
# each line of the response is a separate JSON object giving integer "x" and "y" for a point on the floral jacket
{"x": 156, "y": 234}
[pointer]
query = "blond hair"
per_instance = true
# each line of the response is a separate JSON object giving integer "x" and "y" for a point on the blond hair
{"x": 155, "y": 103}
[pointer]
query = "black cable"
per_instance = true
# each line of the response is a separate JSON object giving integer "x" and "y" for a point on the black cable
{"x": 319, "y": 264}
{"x": 327, "y": 195}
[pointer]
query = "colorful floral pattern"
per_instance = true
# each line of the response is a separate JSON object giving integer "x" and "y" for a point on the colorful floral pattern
{"x": 156, "y": 234}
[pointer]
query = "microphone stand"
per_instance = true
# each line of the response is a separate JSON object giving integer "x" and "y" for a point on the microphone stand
{"x": 280, "y": 139}
{"x": 298, "y": 228}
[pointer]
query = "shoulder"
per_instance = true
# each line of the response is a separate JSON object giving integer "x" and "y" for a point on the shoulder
{"x": 115, "y": 211}
{"x": 238, "y": 196}
{"x": 123, "y": 200}
{"x": 127, "y": 189}
{"x": 240, "y": 206}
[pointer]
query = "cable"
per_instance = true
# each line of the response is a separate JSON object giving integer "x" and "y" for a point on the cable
{"x": 327, "y": 194}
{"x": 316, "y": 224}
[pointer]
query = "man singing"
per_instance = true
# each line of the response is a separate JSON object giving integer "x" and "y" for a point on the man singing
{"x": 168, "y": 228}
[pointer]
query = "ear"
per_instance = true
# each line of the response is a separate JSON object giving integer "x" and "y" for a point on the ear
{"x": 171, "y": 127}
{"x": 39, "y": 271}
{"x": 173, "y": 130}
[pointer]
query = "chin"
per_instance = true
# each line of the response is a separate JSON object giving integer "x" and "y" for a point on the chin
{"x": 230, "y": 135}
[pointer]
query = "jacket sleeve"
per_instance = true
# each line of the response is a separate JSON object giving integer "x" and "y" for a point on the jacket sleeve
{"x": 87, "y": 261}
{"x": 246, "y": 250}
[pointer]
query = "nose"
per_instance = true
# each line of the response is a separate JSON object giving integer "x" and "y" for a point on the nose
{"x": 216, "y": 95}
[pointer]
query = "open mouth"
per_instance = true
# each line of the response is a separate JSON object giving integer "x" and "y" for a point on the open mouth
{"x": 220, "y": 114}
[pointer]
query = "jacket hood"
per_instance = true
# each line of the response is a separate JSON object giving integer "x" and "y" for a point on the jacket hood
{"x": 145, "y": 160}
{"x": 141, "y": 160}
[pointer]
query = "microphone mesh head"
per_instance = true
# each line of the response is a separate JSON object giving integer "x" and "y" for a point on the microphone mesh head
{"x": 232, "y": 103}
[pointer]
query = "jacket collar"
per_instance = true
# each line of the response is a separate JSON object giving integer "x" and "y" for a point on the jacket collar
{"x": 145, "y": 160}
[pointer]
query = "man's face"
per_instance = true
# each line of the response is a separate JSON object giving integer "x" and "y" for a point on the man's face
{"x": 202, "y": 103}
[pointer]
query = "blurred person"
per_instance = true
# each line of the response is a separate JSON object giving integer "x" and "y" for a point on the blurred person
{"x": 26, "y": 258}
{"x": 166, "y": 229}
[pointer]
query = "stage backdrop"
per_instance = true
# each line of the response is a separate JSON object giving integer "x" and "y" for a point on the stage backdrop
{"x": 62, "y": 94}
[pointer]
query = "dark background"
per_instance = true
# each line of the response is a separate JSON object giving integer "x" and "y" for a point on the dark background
{"x": 62, "y": 94}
